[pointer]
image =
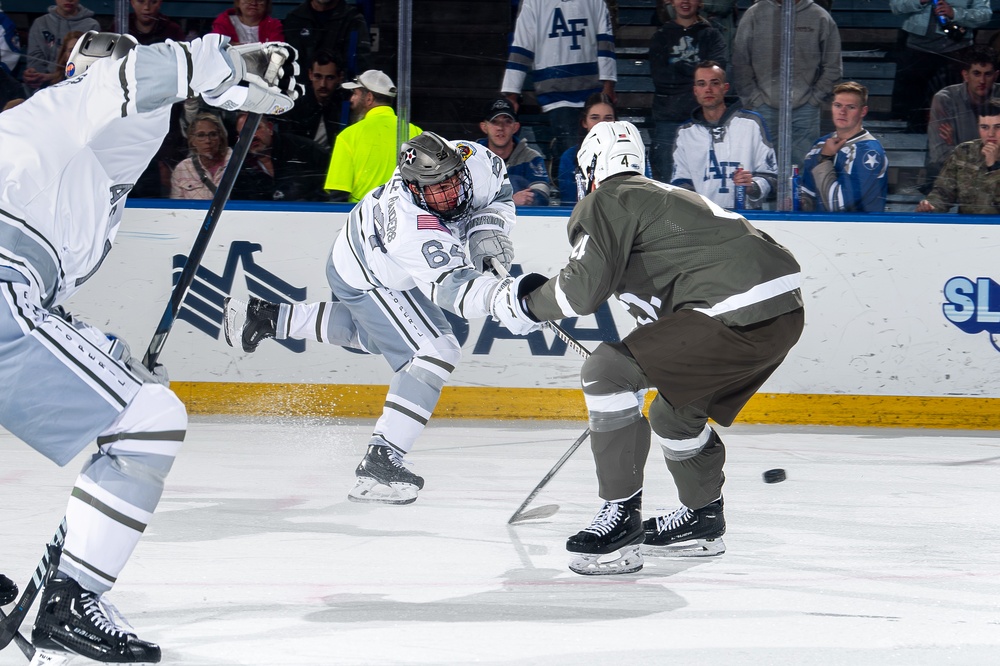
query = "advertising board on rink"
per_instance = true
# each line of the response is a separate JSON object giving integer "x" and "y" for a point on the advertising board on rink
{"x": 897, "y": 307}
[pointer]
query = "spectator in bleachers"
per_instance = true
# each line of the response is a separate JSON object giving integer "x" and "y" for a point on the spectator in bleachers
{"x": 929, "y": 61}
{"x": 816, "y": 68}
{"x": 10, "y": 46}
{"x": 149, "y": 26}
{"x": 10, "y": 60}
{"x": 569, "y": 47}
{"x": 970, "y": 178}
{"x": 46, "y": 35}
{"x": 198, "y": 176}
{"x": 674, "y": 51}
{"x": 846, "y": 170}
{"x": 280, "y": 167}
{"x": 954, "y": 109}
{"x": 364, "y": 155}
{"x": 720, "y": 13}
{"x": 317, "y": 113}
{"x": 599, "y": 108}
{"x": 249, "y": 21}
{"x": 525, "y": 165}
{"x": 723, "y": 145}
{"x": 330, "y": 25}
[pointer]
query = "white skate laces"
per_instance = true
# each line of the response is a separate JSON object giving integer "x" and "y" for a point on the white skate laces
{"x": 673, "y": 520}
{"x": 605, "y": 519}
{"x": 104, "y": 615}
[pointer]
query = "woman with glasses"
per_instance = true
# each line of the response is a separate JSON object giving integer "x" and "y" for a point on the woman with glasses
{"x": 198, "y": 176}
{"x": 249, "y": 21}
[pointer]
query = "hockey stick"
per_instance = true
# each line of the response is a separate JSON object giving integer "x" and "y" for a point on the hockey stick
{"x": 547, "y": 510}
{"x": 10, "y": 624}
{"x": 201, "y": 241}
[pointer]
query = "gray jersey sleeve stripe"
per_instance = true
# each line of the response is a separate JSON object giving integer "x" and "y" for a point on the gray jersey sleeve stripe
{"x": 114, "y": 515}
{"x": 20, "y": 311}
{"x": 124, "y": 81}
{"x": 163, "y": 435}
{"x": 153, "y": 87}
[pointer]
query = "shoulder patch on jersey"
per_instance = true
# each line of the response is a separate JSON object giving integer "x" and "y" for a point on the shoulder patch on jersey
{"x": 464, "y": 149}
{"x": 871, "y": 160}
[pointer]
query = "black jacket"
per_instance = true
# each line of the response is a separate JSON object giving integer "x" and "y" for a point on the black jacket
{"x": 334, "y": 30}
{"x": 674, "y": 51}
{"x": 299, "y": 172}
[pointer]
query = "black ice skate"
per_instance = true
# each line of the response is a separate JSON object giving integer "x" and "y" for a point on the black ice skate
{"x": 72, "y": 619}
{"x": 384, "y": 479}
{"x": 251, "y": 322}
{"x": 687, "y": 532}
{"x": 611, "y": 544}
{"x": 8, "y": 590}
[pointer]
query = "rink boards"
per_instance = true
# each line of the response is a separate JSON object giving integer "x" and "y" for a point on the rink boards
{"x": 902, "y": 320}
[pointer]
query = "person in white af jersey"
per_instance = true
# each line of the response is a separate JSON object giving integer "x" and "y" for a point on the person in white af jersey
{"x": 70, "y": 156}
{"x": 723, "y": 145}
{"x": 397, "y": 262}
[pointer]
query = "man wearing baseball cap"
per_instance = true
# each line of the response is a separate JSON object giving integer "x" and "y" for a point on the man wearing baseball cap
{"x": 364, "y": 155}
{"x": 525, "y": 165}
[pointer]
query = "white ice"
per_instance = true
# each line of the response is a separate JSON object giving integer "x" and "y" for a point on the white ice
{"x": 882, "y": 547}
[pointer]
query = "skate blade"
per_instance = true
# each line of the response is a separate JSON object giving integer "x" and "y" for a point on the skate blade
{"x": 50, "y": 658}
{"x": 695, "y": 548}
{"x": 622, "y": 561}
{"x": 370, "y": 491}
{"x": 234, "y": 313}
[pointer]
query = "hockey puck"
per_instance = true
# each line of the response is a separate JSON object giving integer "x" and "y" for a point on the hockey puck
{"x": 774, "y": 476}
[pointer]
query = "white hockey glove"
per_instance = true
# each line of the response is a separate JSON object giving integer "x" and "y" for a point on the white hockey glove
{"x": 505, "y": 303}
{"x": 490, "y": 244}
{"x": 120, "y": 351}
{"x": 263, "y": 79}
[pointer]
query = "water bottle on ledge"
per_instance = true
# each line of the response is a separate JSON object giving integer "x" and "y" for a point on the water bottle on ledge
{"x": 741, "y": 193}
{"x": 795, "y": 188}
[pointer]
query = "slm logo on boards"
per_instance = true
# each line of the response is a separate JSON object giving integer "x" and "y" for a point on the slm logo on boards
{"x": 974, "y": 306}
{"x": 203, "y": 309}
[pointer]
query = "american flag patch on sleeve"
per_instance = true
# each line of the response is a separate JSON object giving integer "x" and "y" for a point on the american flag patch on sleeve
{"x": 430, "y": 222}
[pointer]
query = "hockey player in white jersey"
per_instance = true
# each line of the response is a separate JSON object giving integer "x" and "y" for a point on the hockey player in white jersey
{"x": 397, "y": 262}
{"x": 70, "y": 155}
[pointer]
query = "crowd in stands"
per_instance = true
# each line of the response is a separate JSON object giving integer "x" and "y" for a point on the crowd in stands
{"x": 713, "y": 116}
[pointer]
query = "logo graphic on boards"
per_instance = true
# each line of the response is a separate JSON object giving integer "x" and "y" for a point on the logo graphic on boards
{"x": 202, "y": 307}
{"x": 974, "y": 306}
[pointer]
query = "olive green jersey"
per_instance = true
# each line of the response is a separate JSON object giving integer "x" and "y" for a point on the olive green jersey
{"x": 661, "y": 249}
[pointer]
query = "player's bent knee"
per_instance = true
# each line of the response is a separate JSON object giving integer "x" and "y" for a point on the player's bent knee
{"x": 157, "y": 415}
{"x": 683, "y": 449}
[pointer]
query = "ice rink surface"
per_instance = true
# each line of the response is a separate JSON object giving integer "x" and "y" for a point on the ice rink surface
{"x": 882, "y": 548}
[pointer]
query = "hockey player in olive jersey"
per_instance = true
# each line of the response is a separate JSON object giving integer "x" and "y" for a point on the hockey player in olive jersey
{"x": 69, "y": 157}
{"x": 717, "y": 305}
{"x": 397, "y": 262}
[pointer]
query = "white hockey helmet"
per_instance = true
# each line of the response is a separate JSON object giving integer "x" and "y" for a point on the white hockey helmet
{"x": 435, "y": 173}
{"x": 93, "y": 46}
{"x": 610, "y": 147}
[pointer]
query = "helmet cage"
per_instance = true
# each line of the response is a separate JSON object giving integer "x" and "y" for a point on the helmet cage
{"x": 426, "y": 164}
{"x": 434, "y": 197}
